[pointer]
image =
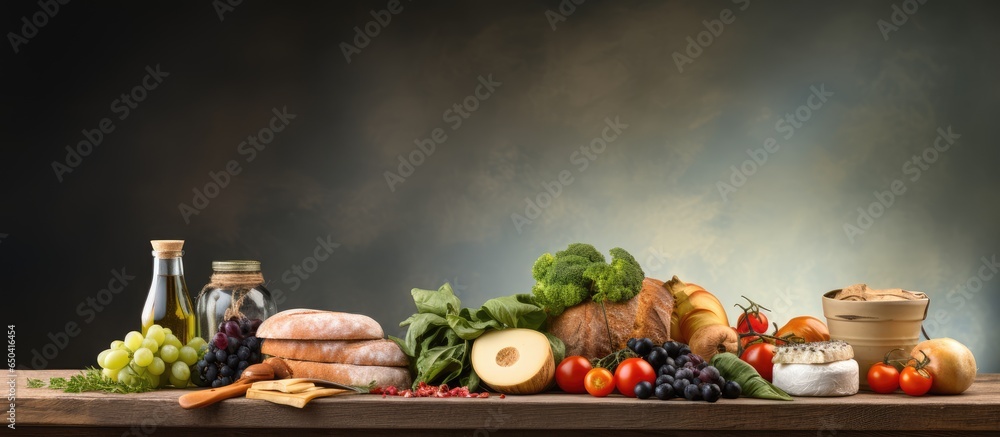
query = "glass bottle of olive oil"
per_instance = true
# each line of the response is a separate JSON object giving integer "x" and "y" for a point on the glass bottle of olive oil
{"x": 168, "y": 303}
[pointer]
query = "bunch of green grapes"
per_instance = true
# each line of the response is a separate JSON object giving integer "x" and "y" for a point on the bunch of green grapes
{"x": 159, "y": 358}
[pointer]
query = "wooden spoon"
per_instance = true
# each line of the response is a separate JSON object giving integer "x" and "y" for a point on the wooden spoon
{"x": 280, "y": 368}
{"x": 204, "y": 398}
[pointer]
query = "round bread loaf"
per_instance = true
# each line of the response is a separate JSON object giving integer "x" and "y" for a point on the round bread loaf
{"x": 305, "y": 324}
{"x": 362, "y": 353}
{"x": 584, "y": 328}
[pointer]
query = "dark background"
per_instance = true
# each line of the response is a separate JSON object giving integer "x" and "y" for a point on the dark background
{"x": 655, "y": 191}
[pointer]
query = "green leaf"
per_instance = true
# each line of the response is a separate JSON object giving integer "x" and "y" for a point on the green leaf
{"x": 515, "y": 311}
{"x": 441, "y": 301}
{"x": 420, "y": 325}
{"x": 442, "y": 363}
{"x": 468, "y": 329}
{"x": 471, "y": 380}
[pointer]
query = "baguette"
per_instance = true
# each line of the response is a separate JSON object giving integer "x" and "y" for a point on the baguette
{"x": 305, "y": 324}
{"x": 350, "y": 374}
{"x": 363, "y": 353}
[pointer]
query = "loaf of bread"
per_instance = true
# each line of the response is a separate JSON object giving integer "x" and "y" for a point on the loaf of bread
{"x": 362, "y": 353}
{"x": 350, "y": 374}
{"x": 583, "y": 328}
{"x": 304, "y": 324}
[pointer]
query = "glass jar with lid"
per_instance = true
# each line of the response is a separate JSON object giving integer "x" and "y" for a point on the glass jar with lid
{"x": 235, "y": 292}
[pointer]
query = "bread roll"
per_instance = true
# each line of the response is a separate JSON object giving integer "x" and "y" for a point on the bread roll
{"x": 304, "y": 324}
{"x": 362, "y": 353}
{"x": 583, "y": 329}
{"x": 350, "y": 374}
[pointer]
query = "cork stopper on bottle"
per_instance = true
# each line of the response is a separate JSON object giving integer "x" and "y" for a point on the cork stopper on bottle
{"x": 167, "y": 248}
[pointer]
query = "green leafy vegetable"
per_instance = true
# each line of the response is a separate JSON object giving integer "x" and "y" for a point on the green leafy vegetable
{"x": 580, "y": 272}
{"x": 734, "y": 369}
{"x": 439, "y": 336}
{"x": 35, "y": 383}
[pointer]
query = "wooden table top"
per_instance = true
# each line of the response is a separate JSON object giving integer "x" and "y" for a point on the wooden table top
{"x": 976, "y": 411}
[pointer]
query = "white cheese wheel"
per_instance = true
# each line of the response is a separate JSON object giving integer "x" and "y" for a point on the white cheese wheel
{"x": 839, "y": 378}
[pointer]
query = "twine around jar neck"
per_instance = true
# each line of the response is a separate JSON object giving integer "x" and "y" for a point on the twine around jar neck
{"x": 239, "y": 282}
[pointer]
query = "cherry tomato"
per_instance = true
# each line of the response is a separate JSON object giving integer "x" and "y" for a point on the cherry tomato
{"x": 759, "y": 356}
{"x": 599, "y": 382}
{"x": 571, "y": 372}
{"x": 758, "y": 321}
{"x": 915, "y": 382}
{"x": 808, "y": 327}
{"x": 630, "y": 372}
{"x": 883, "y": 378}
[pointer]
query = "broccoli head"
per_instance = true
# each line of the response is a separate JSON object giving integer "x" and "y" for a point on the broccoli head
{"x": 582, "y": 250}
{"x": 559, "y": 281}
{"x": 580, "y": 272}
{"x": 621, "y": 280}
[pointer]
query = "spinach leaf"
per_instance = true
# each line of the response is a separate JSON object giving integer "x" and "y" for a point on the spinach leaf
{"x": 441, "y": 302}
{"x": 516, "y": 311}
{"x": 443, "y": 361}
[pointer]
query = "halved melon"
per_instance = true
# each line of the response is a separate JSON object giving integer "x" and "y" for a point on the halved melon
{"x": 514, "y": 361}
